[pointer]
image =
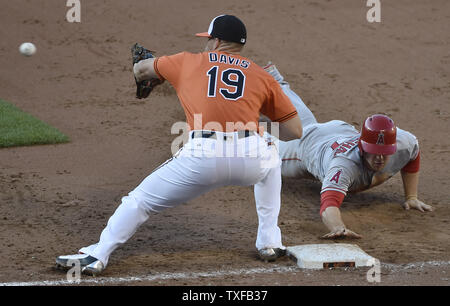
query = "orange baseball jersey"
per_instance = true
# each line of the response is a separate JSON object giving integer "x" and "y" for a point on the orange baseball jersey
{"x": 223, "y": 87}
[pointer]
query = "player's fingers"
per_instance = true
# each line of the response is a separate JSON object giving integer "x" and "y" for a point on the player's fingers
{"x": 351, "y": 234}
{"x": 428, "y": 207}
{"x": 328, "y": 236}
{"x": 324, "y": 237}
{"x": 424, "y": 207}
{"x": 340, "y": 234}
{"x": 405, "y": 205}
{"x": 333, "y": 235}
{"x": 419, "y": 206}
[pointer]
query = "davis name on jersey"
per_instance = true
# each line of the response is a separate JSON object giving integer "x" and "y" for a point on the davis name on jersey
{"x": 227, "y": 59}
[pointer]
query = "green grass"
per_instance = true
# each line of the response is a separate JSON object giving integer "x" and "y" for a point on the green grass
{"x": 18, "y": 128}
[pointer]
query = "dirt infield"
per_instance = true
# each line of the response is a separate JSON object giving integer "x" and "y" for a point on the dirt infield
{"x": 57, "y": 198}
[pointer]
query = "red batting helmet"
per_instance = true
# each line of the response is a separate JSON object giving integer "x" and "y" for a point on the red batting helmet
{"x": 378, "y": 135}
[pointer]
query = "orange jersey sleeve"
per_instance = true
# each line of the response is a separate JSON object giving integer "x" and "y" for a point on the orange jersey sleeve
{"x": 278, "y": 106}
{"x": 168, "y": 67}
{"x": 223, "y": 91}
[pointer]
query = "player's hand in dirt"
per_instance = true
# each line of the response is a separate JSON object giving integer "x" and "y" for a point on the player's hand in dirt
{"x": 341, "y": 233}
{"x": 417, "y": 204}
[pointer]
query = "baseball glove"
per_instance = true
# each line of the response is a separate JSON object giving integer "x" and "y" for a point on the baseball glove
{"x": 145, "y": 87}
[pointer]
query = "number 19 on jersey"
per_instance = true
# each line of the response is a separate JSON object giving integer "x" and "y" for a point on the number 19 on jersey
{"x": 231, "y": 83}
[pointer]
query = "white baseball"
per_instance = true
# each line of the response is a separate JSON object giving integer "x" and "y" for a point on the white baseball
{"x": 27, "y": 49}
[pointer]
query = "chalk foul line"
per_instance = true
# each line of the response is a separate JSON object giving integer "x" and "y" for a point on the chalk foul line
{"x": 210, "y": 274}
{"x": 156, "y": 277}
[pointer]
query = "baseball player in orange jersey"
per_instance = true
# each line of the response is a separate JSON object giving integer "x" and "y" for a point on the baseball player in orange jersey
{"x": 346, "y": 160}
{"x": 227, "y": 92}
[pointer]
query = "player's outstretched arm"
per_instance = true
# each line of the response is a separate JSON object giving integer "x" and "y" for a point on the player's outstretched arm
{"x": 410, "y": 186}
{"x": 331, "y": 217}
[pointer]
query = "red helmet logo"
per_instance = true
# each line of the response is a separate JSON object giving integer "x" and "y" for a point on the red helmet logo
{"x": 380, "y": 140}
{"x": 378, "y": 135}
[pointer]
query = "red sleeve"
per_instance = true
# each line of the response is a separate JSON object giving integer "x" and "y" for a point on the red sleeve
{"x": 413, "y": 166}
{"x": 330, "y": 198}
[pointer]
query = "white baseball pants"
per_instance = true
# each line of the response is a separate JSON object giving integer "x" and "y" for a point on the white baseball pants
{"x": 203, "y": 164}
{"x": 292, "y": 165}
{"x": 305, "y": 114}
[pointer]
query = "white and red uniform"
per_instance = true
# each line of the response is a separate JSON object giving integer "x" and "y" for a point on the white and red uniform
{"x": 329, "y": 152}
{"x": 224, "y": 88}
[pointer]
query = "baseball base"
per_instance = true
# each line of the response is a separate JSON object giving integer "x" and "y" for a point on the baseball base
{"x": 322, "y": 256}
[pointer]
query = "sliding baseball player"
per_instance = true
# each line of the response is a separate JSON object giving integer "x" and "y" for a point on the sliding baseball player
{"x": 346, "y": 160}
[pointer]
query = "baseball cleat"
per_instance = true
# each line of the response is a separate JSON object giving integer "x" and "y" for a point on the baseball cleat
{"x": 88, "y": 264}
{"x": 273, "y": 71}
{"x": 271, "y": 254}
{"x": 94, "y": 268}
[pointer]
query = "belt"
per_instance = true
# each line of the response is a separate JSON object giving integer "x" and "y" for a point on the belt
{"x": 214, "y": 135}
